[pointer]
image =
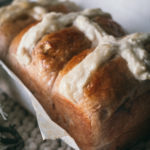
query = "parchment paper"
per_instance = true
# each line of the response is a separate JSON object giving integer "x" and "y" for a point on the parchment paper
{"x": 48, "y": 128}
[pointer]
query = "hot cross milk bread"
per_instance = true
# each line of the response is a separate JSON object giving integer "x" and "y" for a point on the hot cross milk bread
{"x": 91, "y": 78}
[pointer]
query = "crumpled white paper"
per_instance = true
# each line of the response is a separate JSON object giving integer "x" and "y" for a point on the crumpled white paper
{"x": 48, "y": 128}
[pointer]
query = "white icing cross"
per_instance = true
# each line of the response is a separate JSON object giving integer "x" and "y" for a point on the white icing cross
{"x": 130, "y": 48}
{"x": 51, "y": 22}
{"x": 71, "y": 86}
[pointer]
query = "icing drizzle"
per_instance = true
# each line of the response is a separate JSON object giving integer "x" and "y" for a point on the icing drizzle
{"x": 71, "y": 86}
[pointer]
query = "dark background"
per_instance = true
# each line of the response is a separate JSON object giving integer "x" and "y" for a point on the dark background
{"x": 5, "y": 2}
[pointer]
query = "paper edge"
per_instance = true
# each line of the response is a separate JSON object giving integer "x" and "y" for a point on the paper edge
{"x": 63, "y": 134}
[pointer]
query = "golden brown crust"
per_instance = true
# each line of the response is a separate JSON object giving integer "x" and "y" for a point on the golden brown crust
{"x": 10, "y": 29}
{"x": 110, "y": 88}
{"x": 73, "y": 120}
{"x": 75, "y": 60}
{"x": 131, "y": 122}
{"x": 109, "y": 25}
{"x": 53, "y": 56}
{"x": 61, "y": 8}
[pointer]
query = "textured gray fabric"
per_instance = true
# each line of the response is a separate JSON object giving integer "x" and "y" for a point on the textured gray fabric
{"x": 26, "y": 126}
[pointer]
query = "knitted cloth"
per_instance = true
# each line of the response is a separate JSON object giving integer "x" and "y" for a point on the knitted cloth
{"x": 28, "y": 134}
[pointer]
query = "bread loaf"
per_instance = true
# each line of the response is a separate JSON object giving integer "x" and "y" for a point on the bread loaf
{"x": 89, "y": 75}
